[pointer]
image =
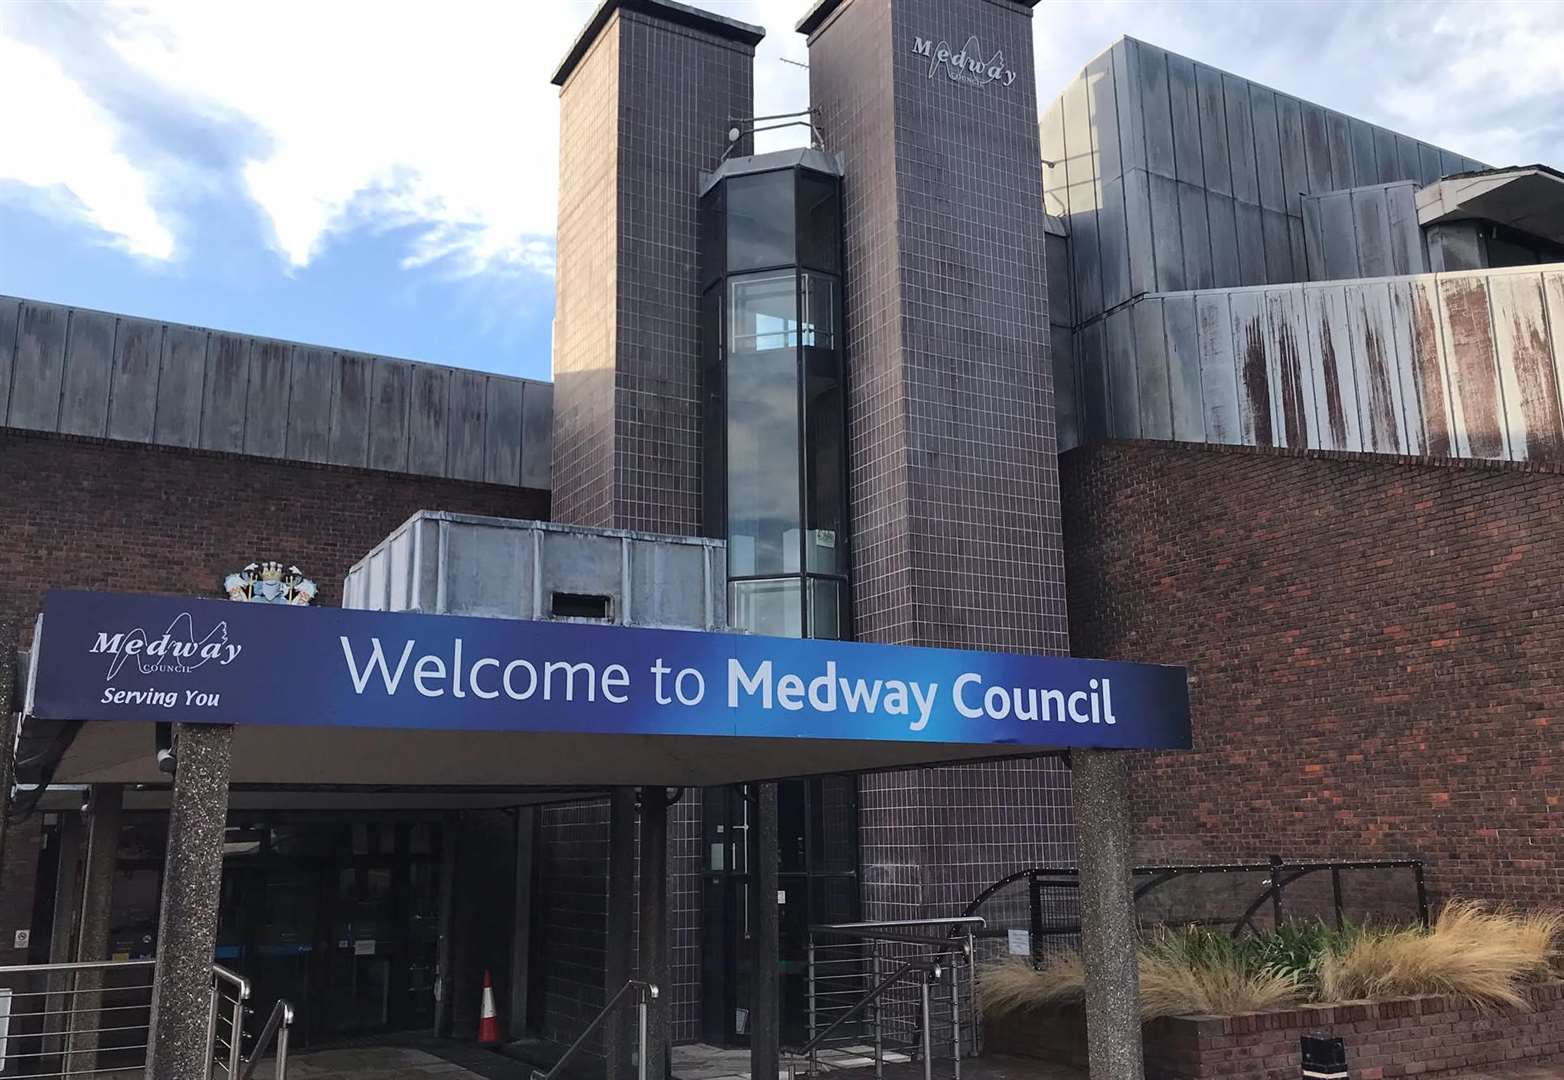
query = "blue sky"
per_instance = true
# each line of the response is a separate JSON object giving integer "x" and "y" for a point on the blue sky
{"x": 388, "y": 185}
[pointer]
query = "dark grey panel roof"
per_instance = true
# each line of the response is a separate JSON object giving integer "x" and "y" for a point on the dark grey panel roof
{"x": 667, "y": 10}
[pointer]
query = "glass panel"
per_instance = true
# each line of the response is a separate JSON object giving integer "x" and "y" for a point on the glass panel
{"x": 764, "y": 312}
{"x": 819, "y": 221}
{"x": 763, "y": 528}
{"x": 825, "y": 436}
{"x": 817, "y": 317}
{"x": 825, "y": 609}
{"x": 766, "y": 607}
{"x": 760, "y": 220}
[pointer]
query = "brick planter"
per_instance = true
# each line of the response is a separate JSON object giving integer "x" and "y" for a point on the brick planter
{"x": 1425, "y": 1036}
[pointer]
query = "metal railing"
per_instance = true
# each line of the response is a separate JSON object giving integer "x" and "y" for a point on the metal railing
{"x": 644, "y": 993}
{"x": 1036, "y": 909}
{"x": 862, "y": 1001}
{"x": 79, "y": 1019}
{"x": 93, "y": 1019}
{"x": 229, "y": 1003}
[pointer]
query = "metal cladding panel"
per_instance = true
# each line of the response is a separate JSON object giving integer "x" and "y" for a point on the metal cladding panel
{"x": 133, "y": 387}
{"x": 1467, "y": 365}
{"x": 1181, "y": 329}
{"x": 89, "y": 358}
{"x": 91, "y": 373}
{"x": 227, "y": 387}
{"x": 459, "y": 564}
{"x": 1215, "y": 156}
{"x": 266, "y": 419}
{"x": 428, "y": 416}
{"x": 39, "y": 367}
{"x": 1154, "y": 395}
{"x": 181, "y": 387}
{"x": 9, "y": 310}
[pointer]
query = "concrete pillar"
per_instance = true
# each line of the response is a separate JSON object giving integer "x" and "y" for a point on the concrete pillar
{"x": 653, "y": 945}
{"x": 1100, "y": 783}
{"x": 105, "y": 806}
{"x": 765, "y": 1020}
{"x": 620, "y": 1040}
{"x": 521, "y": 933}
{"x": 187, "y": 920}
{"x": 62, "y": 932}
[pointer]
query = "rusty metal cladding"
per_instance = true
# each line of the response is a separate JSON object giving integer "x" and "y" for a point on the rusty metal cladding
{"x": 1429, "y": 360}
{"x": 1249, "y": 349}
{"x": 1326, "y": 344}
{"x": 1291, "y": 397}
{"x": 1371, "y": 343}
{"x": 1468, "y": 333}
{"x": 1525, "y": 357}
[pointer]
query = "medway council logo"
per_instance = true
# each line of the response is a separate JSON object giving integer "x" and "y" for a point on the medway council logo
{"x": 176, "y": 650}
{"x": 966, "y": 66}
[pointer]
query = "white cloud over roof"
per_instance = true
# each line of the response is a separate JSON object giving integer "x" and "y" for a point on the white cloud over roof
{"x": 437, "y": 122}
{"x": 64, "y": 146}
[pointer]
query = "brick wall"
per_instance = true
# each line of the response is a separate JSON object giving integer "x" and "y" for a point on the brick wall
{"x": 1372, "y": 645}
{"x": 89, "y": 514}
{"x": 1425, "y": 1036}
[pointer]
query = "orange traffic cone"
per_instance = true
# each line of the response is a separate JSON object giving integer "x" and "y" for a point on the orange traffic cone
{"x": 488, "y": 1023}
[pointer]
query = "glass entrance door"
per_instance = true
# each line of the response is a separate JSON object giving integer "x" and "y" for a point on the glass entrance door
{"x": 817, "y": 882}
{"x": 339, "y": 917}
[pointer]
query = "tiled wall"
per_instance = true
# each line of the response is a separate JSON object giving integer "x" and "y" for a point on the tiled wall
{"x": 645, "y": 111}
{"x": 1174, "y": 175}
{"x": 1464, "y": 364}
{"x": 953, "y": 482}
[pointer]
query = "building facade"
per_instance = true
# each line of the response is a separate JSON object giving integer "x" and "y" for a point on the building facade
{"x": 1189, "y": 371}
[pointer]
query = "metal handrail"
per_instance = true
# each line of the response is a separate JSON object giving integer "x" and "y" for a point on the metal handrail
{"x": 891, "y": 924}
{"x": 89, "y": 965}
{"x": 278, "y": 1024}
{"x": 241, "y": 988}
{"x": 645, "y": 993}
{"x": 809, "y": 1048}
{"x": 932, "y": 972}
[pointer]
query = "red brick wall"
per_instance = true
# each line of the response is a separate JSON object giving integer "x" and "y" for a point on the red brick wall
{"x": 1374, "y": 647}
{"x": 90, "y": 514}
{"x": 97, "y": 515}
{"x": 1427, "y": 1036}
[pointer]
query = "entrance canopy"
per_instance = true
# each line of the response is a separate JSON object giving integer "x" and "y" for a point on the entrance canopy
{"x": 330, "y": 696}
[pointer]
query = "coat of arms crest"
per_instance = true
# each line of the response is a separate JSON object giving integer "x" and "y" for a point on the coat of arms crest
{"x": 269, "y": 583}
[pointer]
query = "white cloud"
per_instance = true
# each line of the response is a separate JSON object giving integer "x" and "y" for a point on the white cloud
{"x": 394, "y": 116}
{"x": 438, "y": 120}
{"x": 58, "y": 140}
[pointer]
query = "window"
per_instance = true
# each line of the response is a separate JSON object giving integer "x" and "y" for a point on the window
{"x": 771, "y": 608}
{"x": 760, "y": 220}
{"x": 817, "y": 320}
{"x": 764, "y": 312}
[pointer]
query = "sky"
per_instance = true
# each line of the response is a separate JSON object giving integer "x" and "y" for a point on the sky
{"x": 388, "y": 184}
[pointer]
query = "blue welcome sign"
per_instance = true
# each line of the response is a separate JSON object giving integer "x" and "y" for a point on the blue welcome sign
{"x": 111, "y": 656}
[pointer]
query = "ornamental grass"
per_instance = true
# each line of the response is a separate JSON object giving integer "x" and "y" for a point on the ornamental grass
{"x": 1481, "y": 956}
{"x": 1472, "y": 952}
